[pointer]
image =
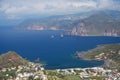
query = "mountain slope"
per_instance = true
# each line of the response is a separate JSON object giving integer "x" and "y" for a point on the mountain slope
{"x": 11, "y": 59}
{"x": 99, "y": 24}
{"x": 96, "y": 23}
{"x": 64, "y": 22}
{"x": 109, "y": 53}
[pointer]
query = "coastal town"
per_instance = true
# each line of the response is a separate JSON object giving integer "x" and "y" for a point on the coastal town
{"x": 30, "y": 71}
{"x": 35, "y": 71}
{"x": 94, "y": 73}
{"x": 14, "y": 67}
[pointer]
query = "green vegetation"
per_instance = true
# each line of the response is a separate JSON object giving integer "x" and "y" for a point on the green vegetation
{"x": 53, "y": 75}
{"x": 96, "y": 78}
{"x": 11, "y": 59}
{"x": 6, "y": 75}
{"x": 72, "y": 77}
{"x": 110, "y": 53}
{"x": 31, "y": 78}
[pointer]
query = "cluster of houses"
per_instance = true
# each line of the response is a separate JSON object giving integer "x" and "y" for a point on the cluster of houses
{"x": 33, "y": 71}
{"x": 87, "y": 73}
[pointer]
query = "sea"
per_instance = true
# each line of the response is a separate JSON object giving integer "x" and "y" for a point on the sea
{"x": 55, "y": 50}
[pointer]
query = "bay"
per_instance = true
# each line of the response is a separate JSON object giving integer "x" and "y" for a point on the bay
{"x": 56, "y": 52}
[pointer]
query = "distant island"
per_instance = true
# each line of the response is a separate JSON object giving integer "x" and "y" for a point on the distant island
{"x": 97, "y": 23}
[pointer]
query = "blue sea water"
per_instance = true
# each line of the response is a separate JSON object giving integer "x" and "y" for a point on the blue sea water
{"x": 57, "y": 52}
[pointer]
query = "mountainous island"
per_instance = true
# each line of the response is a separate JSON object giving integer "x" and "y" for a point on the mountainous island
{"x": 14, "y": 67}
{"x": 95, "y": 23}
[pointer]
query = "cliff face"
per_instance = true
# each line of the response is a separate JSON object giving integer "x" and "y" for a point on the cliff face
{"x": 100, "y": 24}
{"x": 79, "y": 30}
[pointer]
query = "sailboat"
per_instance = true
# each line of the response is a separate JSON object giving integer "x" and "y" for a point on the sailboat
{"x": 52, "y": 36}
{"x": 61, "y": 35}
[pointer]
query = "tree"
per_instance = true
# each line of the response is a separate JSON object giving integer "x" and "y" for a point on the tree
{"x": 31, "y": 78}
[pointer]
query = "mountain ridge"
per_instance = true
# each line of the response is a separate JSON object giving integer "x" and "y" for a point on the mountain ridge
{"x": 97, "y": 23}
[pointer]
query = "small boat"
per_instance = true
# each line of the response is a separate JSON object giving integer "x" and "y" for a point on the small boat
{"x": 52, "y": 36}
{"x": 37, "y": 60}
{"x": 61, "y": 35}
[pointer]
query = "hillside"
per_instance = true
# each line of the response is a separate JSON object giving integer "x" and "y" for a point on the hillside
{"x": 63, "y": 22}
{"x": 99, "y": 23}
{"x": 11, "y": 59}
{"x": 109, "y": 53}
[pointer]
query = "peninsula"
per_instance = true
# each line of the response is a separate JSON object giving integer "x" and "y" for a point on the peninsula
{"x": 109, "y": 53}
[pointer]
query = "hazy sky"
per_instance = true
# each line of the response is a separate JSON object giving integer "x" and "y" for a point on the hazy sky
{"x": 17, "y": 9}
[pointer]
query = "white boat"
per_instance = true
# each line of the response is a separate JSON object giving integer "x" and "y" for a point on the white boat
{"x": 52, "y": 36}
{"x": 61, "y": 35}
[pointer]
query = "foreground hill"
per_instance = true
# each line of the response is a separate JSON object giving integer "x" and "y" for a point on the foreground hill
{"x": 109, "y": 53}
{"x": 11, "y": 59}
{"x": 14, "y": 67}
